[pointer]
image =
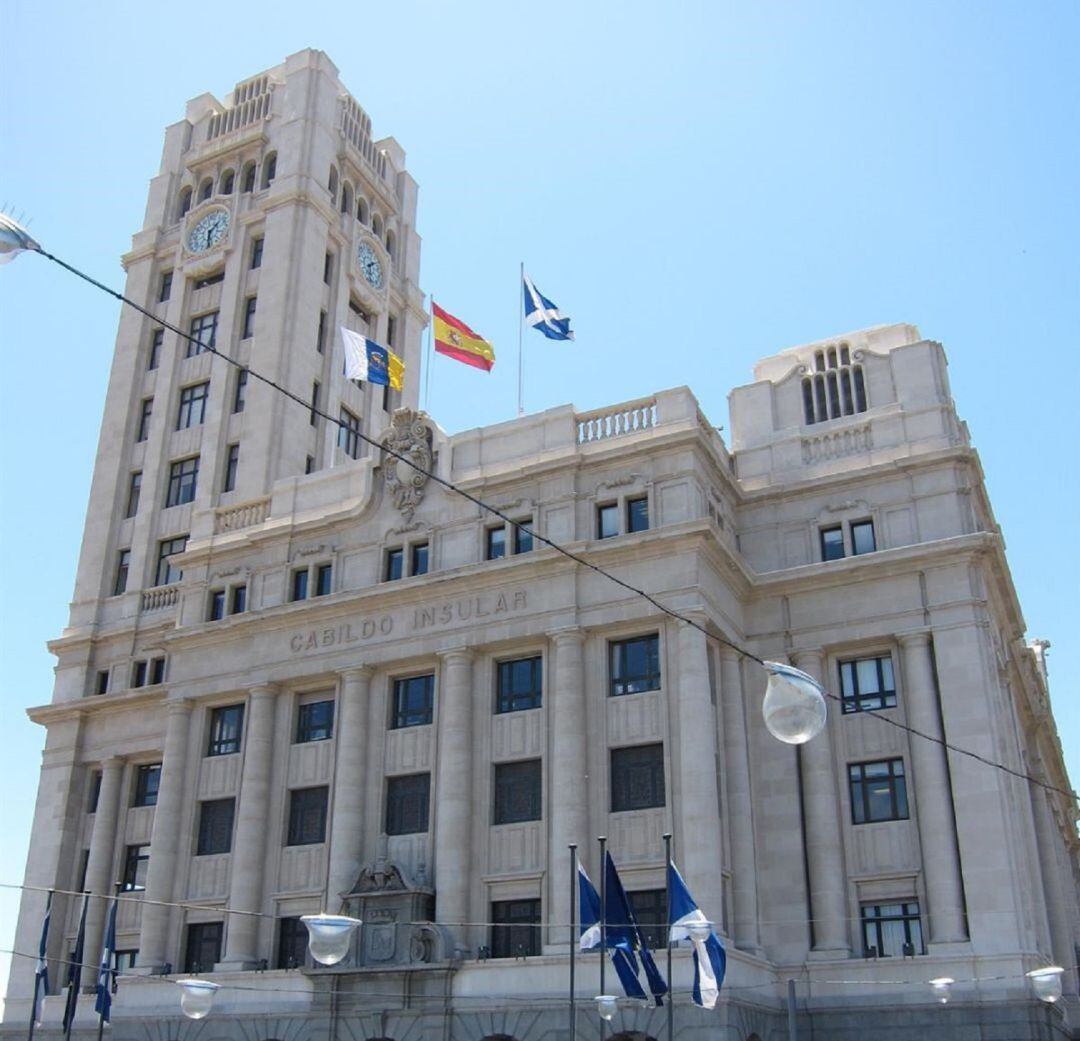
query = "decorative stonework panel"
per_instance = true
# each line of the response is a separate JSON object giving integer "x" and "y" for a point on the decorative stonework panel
{"x": 889, "y": 846}
{"x": 637, "y": 836}
{"x": 411, "y": 852}
{"x": 209, "y": 877}
{"x": 409, "y": 750}
{"x": 515, "y": 847}
{"x": 128, "y": 913}
{"x": 516, "y": 735}
{"x": 219, "y": 776}
{"x": 634, "y": 717}
{"x": 137, "y": 827}
{"x": 302, "y": 868}
{"x": 310, "y": 763}
{"x": 837, "y": 445}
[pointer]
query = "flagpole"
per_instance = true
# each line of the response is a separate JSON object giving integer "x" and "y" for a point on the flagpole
{"x": 602, "y": 839}
{"x": 75, "y": 972}
{"x": 108, "y": 953}
{"x": 573, "y": 938}
{"x": 671, "y": 980}
{"x": 39, "y": 976}
{"x": 521, "y": 335}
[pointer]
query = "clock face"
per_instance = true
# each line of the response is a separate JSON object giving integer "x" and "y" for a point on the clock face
{"x": 370, "y": 267}
{"x": 210, "y": 230}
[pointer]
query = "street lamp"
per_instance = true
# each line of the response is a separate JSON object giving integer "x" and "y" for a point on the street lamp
{"x": 1046, "y": 982}
{"x": 794, "y": 706}
{"x": 329, "y": 936}
{"x": 606, "y": 1005}
{"x": 196, "y": 997}
{"x": 941, "y": 988}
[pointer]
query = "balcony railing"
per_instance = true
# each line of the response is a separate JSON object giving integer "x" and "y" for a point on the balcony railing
{"x": 159, "y": 597}
{"x": 633, "y": 417}
{"x": 242, "y": 515}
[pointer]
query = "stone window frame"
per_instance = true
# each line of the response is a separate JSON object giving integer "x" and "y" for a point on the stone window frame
{"x": 229, "y": 594}
{"x": 314, "y": 573}
{"x": 899, "y": 798}
{"x": 620, "y": 497}
{"x": 143, "y": 792}
{"x": 301, "y": 736}
{"x": 407, "y": 547}
{"x": 871, "y": 652}
{"x": 504, "y": 809}
{"x": 518, "y": 656}
{"x": 845, "y": 517}
{"x": 511, "y": 535}
{"x": 395, "y": 715}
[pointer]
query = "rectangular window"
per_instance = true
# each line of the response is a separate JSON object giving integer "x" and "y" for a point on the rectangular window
{"x": 217, "y": 605}
{"x": 192, "y": 410}
{"x": 407, "y": 801}
{"x": 256, "y": 253}
{"x": 157, "y": 670}
{"x": 519, "y": 684}
{"x": 135, "y": 861}
{"x": 324, "y": 576}
{"x": 226, "y": 728}
{"x": 867, "y": 683}
{"x": 414, "y": 701}
{"x": 832, "y": 543}
{"x": 515, "y": 929}
{"x": 878, "y": 791}
{"x": 328, "y": 267}
{"x": 165, "y": 289}
{"x": 523, "y": 540}
{"x": 495, "y": 543}
{"x": 214, "y": 279}
{"x": 637, "y": 777}
{"x": 134, "y": 491}
{"x": 518, "y": 792}
{"x": 240, "y": 393}
{"x": 123, "y": 564}
{"x": 248, "y": 330}
{"x": 204, "y": 332}
{"x": 607, "y": 520}
{"x": 125, "y": 960}
{"x": 314, "y": 721}
{"x": 138, "y": 673}
{"x": 157, "y": 339}
{"x": 215, "y": 826}
{"x": 102, "y": 684}
{"x": 635, "y": 665}
{"x": 299, "y": 588}
{"x": 232, "y": 461}
{"x": 165, "y": 573}
{"x": 292, "y": 944}
{"x": 394, "y": 567}
{"x": 147, "y": 780}
{"x": 320, "y": 336}
{"x": 349, "y": 434}
{"x": 313, "y": 414}
{"x": 637, "y": 514}
{"x": 862, "y": 537}
{"x": 239, "y": 600}
{"x": 391, "y": 331}
{"x": 143, "y": 430}
{"x": 650, "y": 912}
{"x": 203, "y": 948}
{"x": 309, "y": 464}
{"x": 418, "y": 558}
{"x": 307, "y": 816}
{"x": 891, "y": 930}
{"x": 183, "y": 476}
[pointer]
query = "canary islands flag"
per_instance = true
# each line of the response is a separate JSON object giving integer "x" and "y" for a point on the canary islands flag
{"x": 367, "y": 360}
{"x": 456, "y": 340}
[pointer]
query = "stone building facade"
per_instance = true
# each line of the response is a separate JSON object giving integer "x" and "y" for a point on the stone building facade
{"x": 299, "y": 676}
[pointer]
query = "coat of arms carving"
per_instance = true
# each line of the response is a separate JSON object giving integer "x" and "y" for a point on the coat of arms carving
{"x": 409, "y": 438}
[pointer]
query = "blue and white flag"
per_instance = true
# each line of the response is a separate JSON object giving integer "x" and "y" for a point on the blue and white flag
{"x": 624, "y": 938}
{"x": 589, "y": 911}
{"x": 103, "y": 1004}
{"x": 365, "y": 359}
{"x": 74, "y": 973}
{"x": 41, "y": 973}
{"x": 542, "y": 314}
{"x": 710, "y": 960}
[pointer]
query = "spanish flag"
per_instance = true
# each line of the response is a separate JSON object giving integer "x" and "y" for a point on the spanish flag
{"x": 456, "y": 340}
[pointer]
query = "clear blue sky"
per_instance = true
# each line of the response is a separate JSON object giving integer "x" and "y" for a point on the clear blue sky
{"x": 696, "y": 184}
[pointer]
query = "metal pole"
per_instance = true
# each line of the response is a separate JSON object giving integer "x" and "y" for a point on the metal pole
{"x": 670, "y": 979}
{"x": 573, "y": 938}
{"x": 521, "y": 336}
{"x": 792, "y": 1029}
{"x": 602, "y": 839}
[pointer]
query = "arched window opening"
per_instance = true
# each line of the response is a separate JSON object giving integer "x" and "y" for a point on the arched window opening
{"x": 836, "y": 388}
{"x": 184, "y": 203}
{"x": 331, "y": 184}
{"x": 248, "y": 183}
{"x": 391, "y": 245}
{"x": 346, "y": 198}
{"x": 269, "y": 169}
{"x": 361, "y": 209}
{"x": 225, "y": 185}
{"x": 377, "y": 225}
{"x": 206, "y": 188}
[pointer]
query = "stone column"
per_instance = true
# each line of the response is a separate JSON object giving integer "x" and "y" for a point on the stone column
{"x": 249, "y": 841}
{"x": 740, "y": 806}
{"x": 824, "y": 836}
{"x": 165, "y": 839}
{"x": 933, "y": 794}
{"x": 347, "y": 819}
{"x": 100, "y": 878}
{"x": 1048, "y": 837}
{"x": 698, "y": 841}
{"x": 568, "y": 807}
{"x": 453, "y": 793}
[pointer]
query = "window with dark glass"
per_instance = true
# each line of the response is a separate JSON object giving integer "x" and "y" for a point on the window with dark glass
{"x": 867, "y": 683}
{"x": 134, "y": 491}
{"x": 878, "y": 791}
{"x": 320, "y": 336}
{"x": 203, "y": 948}
{"x": 862, "y": 537}
{"x": 95, "y": 793}
{"x": 299, "y": 588}
{"x": 269, "y": 169}
{"x": 204, "y": 332}
{"x": 183, "y": 477}
{"x": 637, "y": 514}
{"x": 240, "y": 394}
{"x": 650, "y": 913}
{"x": 495, "y": 545}
{"x": 239, "y": 600}
{"x": 324, "y": 574}
{"x": 80, "y": 875}
{"x": 157, "y": 338}
{"x": 313, "y": 412}
{"x": 414, "y": 701}
{"x": 328, "y": 267}
{"x": 192, "y": 409}
{"x": 102, "y": 684}
{"x": 418, "y": 564}
{"x": 523, "y": 540}
{"x": 226, "y": 728}
{"x": 157, "y": 670}
{"x": 309, "y": 464}
{"x": 232, "y": 462}
{"x": 635, "y": 665}
{"x": 136, "y": 859}
{"x": 165, "y": 290}
{"x": 292, "y": 944}
{"x": 205, "y": 189}
{"x": 249, "y": 178}
{"x": 607, "y": 520}
{"x": 217, "y": 605}
{"x": 835, "y": 387}
{"x": 832, "y": 543}
{"x": 125, "y": 959}
{"x": 307, "y": 816}
{"x": 249, "y": 318}
{"x": 143, "y": 430}
{"x": 637, "y": 777}
{"x": 256, "y": 252}
{"x": 123, "y": 565}
{"x": 407, "y": 801}
{"x": 165, "y": 573}
{"x": 891, "y": 930}
{"x": 515, "y": 928}
{"x": 517, "y": 792}
{"x": 139, "y": 673}
{"x": 147, "y": 779}
{"x": 349, "y": 434}
{"x": 226, "y": 185}
{"x": 394, "y": 567}
{"x": 314, "y": 721}
{"x": 214, "y": 279}
{"x": 215, "y": 826}
{"x": 519, "y": 684}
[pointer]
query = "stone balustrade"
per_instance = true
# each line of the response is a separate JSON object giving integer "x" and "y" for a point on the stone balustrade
{"x": 632, "y": 417}
{"x": 242, "y": 515}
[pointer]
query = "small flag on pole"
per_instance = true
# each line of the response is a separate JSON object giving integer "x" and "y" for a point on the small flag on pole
{"x": 14, "y": 239}
{"x": 542, "y": 314}
{"x": 710, "y": 960}
{"x": 74, "y": 973}
{"x": 589, "y": 911}
{"x": 367, "y": 360}
{"x": 624, "y": 934}
{"x": 103, "y": 1004}
{"x": 456, "y": 340}
{"x": 41, "y": 974}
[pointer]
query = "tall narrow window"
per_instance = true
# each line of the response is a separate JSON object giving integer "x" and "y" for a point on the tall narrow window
{"x": 320, "y": 336}
{"x": 240, "y": 394}
{"x": 495, "y": 543}
{"x": 832, "y": 543}
{"x": 862, "y": 537}
{"x": 232, "y": 461}
{"x": 407, "y": 804}
{"x": 328, "y": 268}
{"x": 891, "y": 930}
{"x": 226, "y": 185}
{"x": 166, "y": 573}
{"x": 313, "y": 416}
{"x": 292, "y": 944}
{"x": 637, "y": 777}
{"x": 637, "y": 514}
{"x": 248, "y": 183}
{"x": 203, "y": 332}
{"x": 256, "y": 253}
{"x": 147, "y": 780}
{"x": 314, "y": 721}
{"x": 192, "y": 408}
{"x": 299, "y": 590}
{"x": 143, "y": 430}
{"x": 414, "y": 701}
{"x": 136, "y": 860}
{"x": 183, "y": 478}
{"x": 249, "y": 318}
{"x": 165, "y": 289}
{"x": 394, "y": 567}
{"x": 523, "y": 539}
{"x": 349, "y": 434}
{"x": 269, "y": 170}
{"x": 238, "y": 600}
{"x": 607, "y": 520}
{"x": 134, "y": 491}
{"x": 650, "y": 910}
{"x": 217, "y": 605}
{"x": 324, "y": 574}
{"x": 157, "y": 338}
{"x": 123, "y": 563}
{"x": 418, "y": 558}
